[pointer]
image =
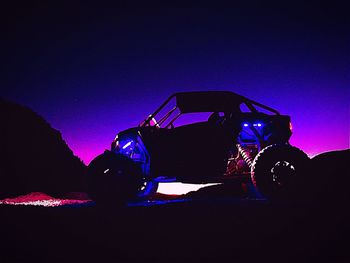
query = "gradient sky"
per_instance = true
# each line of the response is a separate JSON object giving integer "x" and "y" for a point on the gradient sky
{"x": 92, "y": 71}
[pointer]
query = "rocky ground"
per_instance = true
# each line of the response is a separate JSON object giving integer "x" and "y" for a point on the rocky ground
{"x": 172, "y": 229}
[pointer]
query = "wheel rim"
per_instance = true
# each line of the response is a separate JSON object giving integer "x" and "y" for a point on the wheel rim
{"x": 282, "y": 173}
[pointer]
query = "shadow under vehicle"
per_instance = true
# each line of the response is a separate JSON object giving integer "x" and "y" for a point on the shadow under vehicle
{"x": 200, "y": 137}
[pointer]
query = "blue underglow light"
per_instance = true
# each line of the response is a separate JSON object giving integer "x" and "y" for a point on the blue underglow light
{"x": 257, "y": 124}
{"x": 245, "y": 124}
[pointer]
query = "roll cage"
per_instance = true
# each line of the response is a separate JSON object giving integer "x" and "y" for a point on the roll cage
{"x": 199, "y": 102}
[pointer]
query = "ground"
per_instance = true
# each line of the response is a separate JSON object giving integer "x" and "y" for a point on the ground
{"x": 213, "y": 224}
{"x": 214, "y": 229}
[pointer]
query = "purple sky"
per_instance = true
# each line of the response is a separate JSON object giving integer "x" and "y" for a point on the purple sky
{"x": 93, "y": 71}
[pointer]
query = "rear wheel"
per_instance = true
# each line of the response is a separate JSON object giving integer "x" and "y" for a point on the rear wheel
{"x": 277, "y": 170}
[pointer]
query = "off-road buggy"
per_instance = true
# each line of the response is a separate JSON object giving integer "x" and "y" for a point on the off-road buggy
{"x": 200, "y": 137}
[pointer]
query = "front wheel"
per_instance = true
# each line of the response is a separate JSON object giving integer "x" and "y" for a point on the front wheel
{"x": 277, "y": 169}
{"x": 113, "y": 178}
{"x": 147, "y": 189}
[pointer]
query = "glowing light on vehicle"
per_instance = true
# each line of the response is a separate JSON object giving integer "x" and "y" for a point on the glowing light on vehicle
{"x": 126, "y": 145}
{"x": 259, "y": 124}
{"x": 180, "y": 188}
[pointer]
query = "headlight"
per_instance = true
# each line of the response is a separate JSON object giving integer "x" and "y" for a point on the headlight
{"x": 131, "y": 148}
{"x": 125, "y": 147}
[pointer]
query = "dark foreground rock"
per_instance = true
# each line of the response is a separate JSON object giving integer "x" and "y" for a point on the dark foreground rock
{"x": 328, "y": 177}
{"x": 227, "y": 190}
{"x": 33, "y": 155}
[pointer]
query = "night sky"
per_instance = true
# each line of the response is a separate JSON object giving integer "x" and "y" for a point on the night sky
{"x": 92, "y": 70}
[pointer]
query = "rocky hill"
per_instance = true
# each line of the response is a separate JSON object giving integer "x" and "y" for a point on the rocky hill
{"x": 34, "y": 156}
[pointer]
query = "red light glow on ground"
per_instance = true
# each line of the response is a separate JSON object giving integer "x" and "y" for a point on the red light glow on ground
{"x": 41, "y": 199}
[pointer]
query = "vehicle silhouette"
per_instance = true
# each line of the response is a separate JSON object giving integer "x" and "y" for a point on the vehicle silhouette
{"x": 224, "y": 137}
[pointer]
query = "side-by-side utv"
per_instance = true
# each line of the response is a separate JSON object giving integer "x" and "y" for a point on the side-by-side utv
{"x": 200, "y": 137}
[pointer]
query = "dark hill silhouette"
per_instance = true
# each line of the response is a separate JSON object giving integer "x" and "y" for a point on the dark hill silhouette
{"x": 329, "y": 176}
{"x": 33, "y": 155}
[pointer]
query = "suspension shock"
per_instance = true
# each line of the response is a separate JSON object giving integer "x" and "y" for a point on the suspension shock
{"x": 245, "y": 155}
